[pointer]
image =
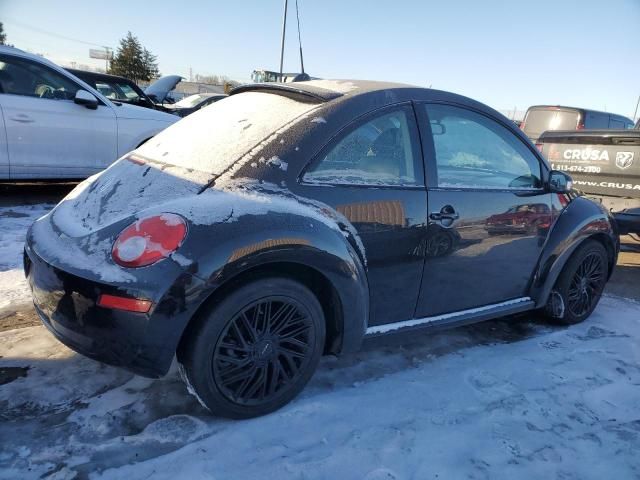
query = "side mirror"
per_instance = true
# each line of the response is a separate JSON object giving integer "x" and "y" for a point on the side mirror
{"x": 87, "y": 99}
{"x": 560, "y": 182}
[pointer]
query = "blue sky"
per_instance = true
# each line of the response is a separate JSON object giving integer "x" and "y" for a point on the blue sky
{"x": 504, "y": 53}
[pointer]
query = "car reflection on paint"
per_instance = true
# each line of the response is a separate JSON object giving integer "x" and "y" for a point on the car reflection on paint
{"x": 441, "y": 241}
{"x": 521, "y": 219}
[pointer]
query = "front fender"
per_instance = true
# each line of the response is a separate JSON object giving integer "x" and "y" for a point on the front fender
{"x": 134, "y": 131}
{"x": 580, "y": 220}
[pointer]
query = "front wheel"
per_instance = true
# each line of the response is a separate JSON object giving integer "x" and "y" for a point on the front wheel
{"x": 580, "y": 285}
{"x": 255, "y": 350}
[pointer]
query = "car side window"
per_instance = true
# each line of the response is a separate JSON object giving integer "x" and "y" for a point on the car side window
{"x": 19, "y": 76}
{"x": 128, "y": 91}
{"x": 596, "y": 120}
{"x": 107, "y": 90}
{"x": 378, "y": 152}
{"x": 474, "y": 151}
{"x": 616, "y": 124}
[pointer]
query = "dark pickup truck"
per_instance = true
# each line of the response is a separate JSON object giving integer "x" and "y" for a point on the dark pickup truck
{"x": 605, "y": 166}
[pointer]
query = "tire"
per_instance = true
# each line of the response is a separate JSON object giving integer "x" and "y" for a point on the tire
{"x": 580, "y": 284}
{"x": 254, "y": 351}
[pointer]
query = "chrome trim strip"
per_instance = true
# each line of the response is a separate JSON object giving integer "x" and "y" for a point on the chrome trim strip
{"x": 391, "y": 327}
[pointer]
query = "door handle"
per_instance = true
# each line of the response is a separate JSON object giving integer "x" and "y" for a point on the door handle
{"x": 22, "y": 118}
{"x": 446, "y": 213}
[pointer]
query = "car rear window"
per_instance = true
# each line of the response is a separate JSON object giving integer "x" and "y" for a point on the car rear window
{"x": 214, "y": 138}
{"x": 541, "y": 120}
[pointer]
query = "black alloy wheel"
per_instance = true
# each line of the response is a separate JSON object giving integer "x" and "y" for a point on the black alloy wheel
{"x": 585, "y": 286}
{"x": 263, "y": 350}
{"x": 580, "y": 284}
{"x": 255, "y": 350}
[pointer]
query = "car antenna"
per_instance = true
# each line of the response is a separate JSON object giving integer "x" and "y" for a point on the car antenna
{"x": 284, "y": 30}
{"x": 299, "y": 39}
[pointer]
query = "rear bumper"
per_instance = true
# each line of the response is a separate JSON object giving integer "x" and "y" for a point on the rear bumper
{"x": 67, "y": 304}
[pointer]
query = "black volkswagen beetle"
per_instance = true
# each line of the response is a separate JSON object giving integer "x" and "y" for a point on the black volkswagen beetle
{"x": 292, "y": 221}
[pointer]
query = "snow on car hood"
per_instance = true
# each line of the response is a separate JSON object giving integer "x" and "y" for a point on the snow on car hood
{"x": 132, "y": 191}
{"x": 247, "y": 196}
{"x": 178, "y": 162}
{"x": 215, "y": 138}
{"x": 121, "y": 191}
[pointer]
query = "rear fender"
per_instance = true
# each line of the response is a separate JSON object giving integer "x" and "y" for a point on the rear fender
{"x": 249, "y": 242}
{"x": 580, "y": 220}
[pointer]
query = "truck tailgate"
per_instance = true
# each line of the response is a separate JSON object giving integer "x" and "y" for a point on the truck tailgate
{"x": 601, "y": 162}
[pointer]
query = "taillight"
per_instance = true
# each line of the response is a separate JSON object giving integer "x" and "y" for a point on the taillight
{"x": 149, "y": 240}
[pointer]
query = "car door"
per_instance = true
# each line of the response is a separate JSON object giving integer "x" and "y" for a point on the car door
{"x": 372, "y": 174}
{"x": 483, "y": 180}
{"x": 48, "y": 134}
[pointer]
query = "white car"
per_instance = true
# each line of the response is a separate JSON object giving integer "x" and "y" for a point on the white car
{"x": 53, "y": 125}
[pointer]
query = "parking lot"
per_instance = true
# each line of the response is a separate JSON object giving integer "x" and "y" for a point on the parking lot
{"x": 494, "y": 400}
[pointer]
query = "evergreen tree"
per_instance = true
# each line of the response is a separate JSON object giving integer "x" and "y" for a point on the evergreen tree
{"x": 3, "y": 36}
{"x": 134, "y": 61}
{"x": 150, "y": 64}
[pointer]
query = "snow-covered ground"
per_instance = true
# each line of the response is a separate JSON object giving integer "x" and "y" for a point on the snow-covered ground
{"x": 14, "y": 222}
{"x": 512, "y": 398}
{"x": 506, "y": 399}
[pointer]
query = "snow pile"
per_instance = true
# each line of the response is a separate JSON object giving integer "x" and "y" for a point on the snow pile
{"x": 15, "y": 222}
{"x": 503, "y": 399}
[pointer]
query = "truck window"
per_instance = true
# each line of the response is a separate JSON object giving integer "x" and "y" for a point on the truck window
{"x": 613, "y": 123}
{"x": 538, "y": 120}
{"x": 596, "y": 120}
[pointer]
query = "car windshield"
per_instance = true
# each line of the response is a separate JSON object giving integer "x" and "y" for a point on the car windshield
{"x": 213, "y": 138}
{"x": 117, "y": 91}
{"x": 539, "y": 120}
{"x": 190, "y": 101}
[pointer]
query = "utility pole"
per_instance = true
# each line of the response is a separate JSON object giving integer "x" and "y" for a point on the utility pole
{"x": 637, "y": 104}
{"x": 106, "y": 58}
{"x": 284, "y": 29}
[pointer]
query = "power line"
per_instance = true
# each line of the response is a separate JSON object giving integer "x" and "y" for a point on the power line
{"x": 53, "y": 34}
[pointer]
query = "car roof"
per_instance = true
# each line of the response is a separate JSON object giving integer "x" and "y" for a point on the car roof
{"x": 105, "y": 76}
{"x": 358, "y": 97}
{"x": 21, "y": 53}
{"x": 578, "y": 109}
{"x": 37, "y": 58}
{"x": 321, "y": 91}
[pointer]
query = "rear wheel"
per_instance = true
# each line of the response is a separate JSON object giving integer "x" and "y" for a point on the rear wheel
{"x": 256, "y": 350}
{"x": 580, "y": 285}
